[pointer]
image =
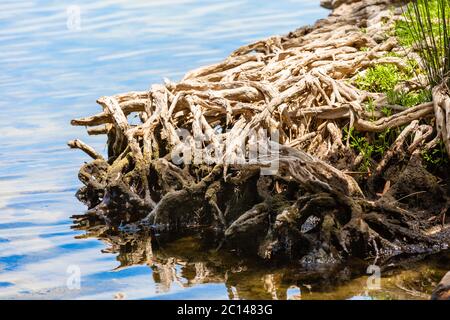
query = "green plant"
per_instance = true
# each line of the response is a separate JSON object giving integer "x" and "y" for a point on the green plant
{"x": 404, "y": 36}
{"x": 393, "y": 54}
{"x": 380, "y": 78}
{"x": 413, "y": 67}
{"x": 427, "y": 26}
{"x": 386, "y": 111}
{"x": 361, "y": 145}
{"x": 385, "y": 77}
{"x": 403, "y": 27}
{"x": 383, "y": 141}
{"x": 370, "y": 107}
{"x": 436, "y": 157}
{"x": 371, "y": 147}
{"x": 408, "y": 99}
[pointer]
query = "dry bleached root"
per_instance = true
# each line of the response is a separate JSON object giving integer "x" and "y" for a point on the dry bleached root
{"x": 441, "y": 98}
{"x": 296, "y": 86}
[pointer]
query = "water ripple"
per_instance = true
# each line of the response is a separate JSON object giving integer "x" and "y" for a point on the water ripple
{"x": 51, "y": 74}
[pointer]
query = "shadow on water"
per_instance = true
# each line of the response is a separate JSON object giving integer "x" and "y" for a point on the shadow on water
{"x": 193, "y": 259}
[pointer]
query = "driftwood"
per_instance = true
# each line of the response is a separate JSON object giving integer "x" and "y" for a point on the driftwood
{"x": 185, "y": 165}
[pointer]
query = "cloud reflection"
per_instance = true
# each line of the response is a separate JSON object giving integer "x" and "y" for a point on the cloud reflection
{"x": 51, "y": 74}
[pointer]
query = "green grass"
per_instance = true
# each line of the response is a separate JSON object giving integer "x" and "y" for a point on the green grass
{"x": 427, "y": 27}
{"x": 404, "y": 30}
{"x": 403, "y": 34}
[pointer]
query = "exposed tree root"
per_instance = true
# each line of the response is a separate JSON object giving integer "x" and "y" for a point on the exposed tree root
{"x": 297, "y": 200}
{"x": 441, "y": 98}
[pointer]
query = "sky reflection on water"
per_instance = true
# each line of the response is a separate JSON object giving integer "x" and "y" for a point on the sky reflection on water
{"x": 52, "y": 74}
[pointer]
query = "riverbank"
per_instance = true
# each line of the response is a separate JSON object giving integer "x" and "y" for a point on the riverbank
{"x": 342, "y": 129}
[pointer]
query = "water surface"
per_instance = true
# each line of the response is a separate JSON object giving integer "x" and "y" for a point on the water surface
{"x": 54, "y": 67}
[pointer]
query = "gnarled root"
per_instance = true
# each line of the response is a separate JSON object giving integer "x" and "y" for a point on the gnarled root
{"x": 188, "y": 162}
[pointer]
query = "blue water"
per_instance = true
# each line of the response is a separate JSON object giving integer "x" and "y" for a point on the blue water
{"x": 53, "y": 70}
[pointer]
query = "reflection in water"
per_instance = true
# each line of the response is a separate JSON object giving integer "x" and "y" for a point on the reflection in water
{"x": 51, "y": 74}
{"x": 191, "y": 260}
